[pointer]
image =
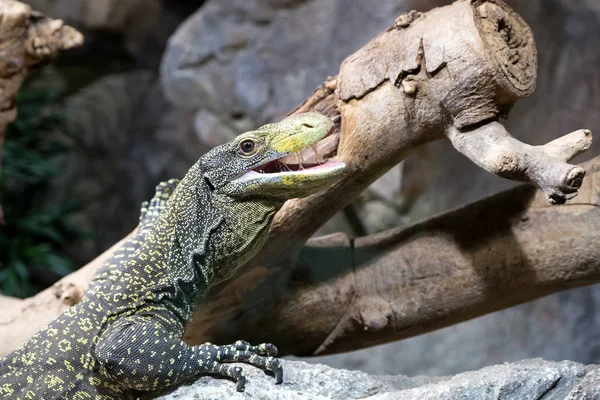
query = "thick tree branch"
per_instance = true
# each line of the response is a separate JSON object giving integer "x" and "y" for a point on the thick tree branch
{"x": 344, "y": 295}
{"x": 412, "y": 84}
{"x": 493, "y": 254}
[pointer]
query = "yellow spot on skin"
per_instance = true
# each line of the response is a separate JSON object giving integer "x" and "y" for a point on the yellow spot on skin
{"x": 85, "y": 324}
{"x": 64, "y": 345}
{"x": 95, "y": 381}
{"x": 52, "y": 380}
{"x": 87, "y": 361}
{"x": 7, "y": 389}
{"x": 69, "y": 366}
{"x": 28, "y": 358}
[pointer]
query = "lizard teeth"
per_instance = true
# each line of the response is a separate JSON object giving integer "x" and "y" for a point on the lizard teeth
{"x": 299, "y": 157}
{"x": 317, "y": 155}
{"x": 295, "y": 170}
{"x": 283, "y": 166}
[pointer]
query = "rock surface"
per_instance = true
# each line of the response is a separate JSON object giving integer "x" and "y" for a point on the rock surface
{"x": 529, "y": 379}
{"x": 260, "y": 59}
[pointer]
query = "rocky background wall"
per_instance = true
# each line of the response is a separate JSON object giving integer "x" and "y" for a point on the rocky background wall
{"x": 158, "y": 82}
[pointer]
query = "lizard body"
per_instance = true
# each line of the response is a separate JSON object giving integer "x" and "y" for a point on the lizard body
{"x": 124, "y": 337}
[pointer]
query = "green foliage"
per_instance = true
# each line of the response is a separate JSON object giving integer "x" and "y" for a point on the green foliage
{"x": 35, "y": 233}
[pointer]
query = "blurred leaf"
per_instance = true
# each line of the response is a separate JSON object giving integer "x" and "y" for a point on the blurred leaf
{"x": 20, "y": 269}
{"x": 59, "y": 265}
{"x": 36, "y": 234}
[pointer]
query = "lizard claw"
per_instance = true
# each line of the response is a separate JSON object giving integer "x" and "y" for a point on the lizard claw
{"x": 279, "y": 375}
{"x": 260, "y": 356}
{"x": 240, "y": 385}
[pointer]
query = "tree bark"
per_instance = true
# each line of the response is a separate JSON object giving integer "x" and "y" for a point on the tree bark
{"x": 418, "y": 81}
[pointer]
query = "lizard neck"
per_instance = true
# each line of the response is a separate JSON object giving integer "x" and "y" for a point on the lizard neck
{"x": 212, "y": 235}
{"x": 245, "y": 230}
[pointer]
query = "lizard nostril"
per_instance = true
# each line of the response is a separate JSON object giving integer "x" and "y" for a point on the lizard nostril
{"x": 307, "y": 126}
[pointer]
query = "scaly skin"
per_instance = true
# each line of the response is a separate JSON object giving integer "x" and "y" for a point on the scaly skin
{"x": 125, "y": 335}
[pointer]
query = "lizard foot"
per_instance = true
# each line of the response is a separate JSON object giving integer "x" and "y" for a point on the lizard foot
{"x": 260, "y": 356}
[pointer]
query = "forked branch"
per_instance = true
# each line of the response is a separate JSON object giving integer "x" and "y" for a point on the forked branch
{"x": 494, "y": 149}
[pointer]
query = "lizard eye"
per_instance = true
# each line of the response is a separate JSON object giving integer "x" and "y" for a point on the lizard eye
{"x": 247, "y": 147}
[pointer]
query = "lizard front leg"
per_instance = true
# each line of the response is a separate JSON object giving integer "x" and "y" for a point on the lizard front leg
{"x": 142, "y": 353}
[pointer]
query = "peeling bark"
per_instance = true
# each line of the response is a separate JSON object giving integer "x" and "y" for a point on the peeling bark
{"x": 418, "y": 81}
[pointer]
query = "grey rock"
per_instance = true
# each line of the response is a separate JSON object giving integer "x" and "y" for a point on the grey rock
{"x": 262, "y": 58}
{"x": 529, "y": 379}
{"x": 125, "y": 138}
{"x": 213, "y": 129}
{"x": 143, "y": 25}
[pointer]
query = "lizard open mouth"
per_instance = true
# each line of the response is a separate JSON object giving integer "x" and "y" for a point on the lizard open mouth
{"x": 280, "y": 166}
{"x": 299, "y": 162}
{"x": 308, "y": 160}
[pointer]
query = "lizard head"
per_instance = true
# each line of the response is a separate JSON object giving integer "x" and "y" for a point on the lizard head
{"x": 256, "y": 163}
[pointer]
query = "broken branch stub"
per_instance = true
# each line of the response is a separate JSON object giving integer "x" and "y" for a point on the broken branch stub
{"x": 27, "y": 39}
{"x": 471, "y": 62}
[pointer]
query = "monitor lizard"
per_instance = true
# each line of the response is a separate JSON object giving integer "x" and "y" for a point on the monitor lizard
{"x": 125, "y": 336}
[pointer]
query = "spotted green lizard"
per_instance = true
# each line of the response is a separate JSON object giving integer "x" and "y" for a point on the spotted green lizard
{"x": 125, "y": 336}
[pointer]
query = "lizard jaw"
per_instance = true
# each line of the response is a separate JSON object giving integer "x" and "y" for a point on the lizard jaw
{"x": 295, "y": 170}
{"x": 283, "y": 168}
{"x": 285, "y": 174}
{"x": 285, "y": 185}
{"x": 277, "y": 178}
